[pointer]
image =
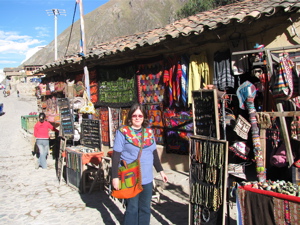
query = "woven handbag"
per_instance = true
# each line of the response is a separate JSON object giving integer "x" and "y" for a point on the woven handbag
{"x": 130, "y": 178}
{"x": 89, "y": 107}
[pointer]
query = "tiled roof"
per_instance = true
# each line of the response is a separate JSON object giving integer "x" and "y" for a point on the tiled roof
{"x": 194, "y": 25}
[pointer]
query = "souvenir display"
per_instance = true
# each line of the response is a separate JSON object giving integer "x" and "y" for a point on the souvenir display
{"x": 118, "y": 91}
{"x": 104, "y": 125}
{"x": 90, "y": 133}
{"x": 149, "y": 83}
{"x": 178, "y": 129}
{"x": 246, "y": 94}
{"x": 208, "y": 179}
{"x": 205, "y": 109}
{"x": 113, "y": 118}
{"x": 67, "y": 121}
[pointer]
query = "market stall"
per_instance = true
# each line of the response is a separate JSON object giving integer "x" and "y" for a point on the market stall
{"x": 274, "y": 203}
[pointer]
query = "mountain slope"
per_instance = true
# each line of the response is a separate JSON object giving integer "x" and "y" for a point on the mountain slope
{"x": 113, "y": 19}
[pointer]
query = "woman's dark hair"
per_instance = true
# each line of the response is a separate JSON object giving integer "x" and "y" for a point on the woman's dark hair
{"x": 42, "y": 116}
{"x": 133, "y": 108}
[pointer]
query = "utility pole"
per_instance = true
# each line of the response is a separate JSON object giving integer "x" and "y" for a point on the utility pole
{"x": 85, "y": 69}
{"x": 55, "y": 12}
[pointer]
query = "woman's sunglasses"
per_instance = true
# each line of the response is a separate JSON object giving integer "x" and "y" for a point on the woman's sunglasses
{"x": 137, "y": 116}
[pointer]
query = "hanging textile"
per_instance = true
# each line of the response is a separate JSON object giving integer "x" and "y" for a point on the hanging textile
{"x": 223, "y": 75}
{"x": 184, "y": 80}
{"x": 123, "y": 117}
{"x": 198, "y": 74}
{"x": 150, "y": 83}
{"x": 285, "y": 82}
{"x": 104, "y": 125}
{"x": 113, "y": 117}
{"x": 239, "y": 63}
{"x": 179, "y": 127}
{"x": 246, "y": 93}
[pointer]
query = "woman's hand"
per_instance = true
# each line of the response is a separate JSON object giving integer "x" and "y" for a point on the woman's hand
{"x": 164, "y": 176}
{"x": 115, "y": 183}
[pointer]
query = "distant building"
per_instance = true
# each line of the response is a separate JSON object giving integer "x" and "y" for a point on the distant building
{"x": 22, "y": 78}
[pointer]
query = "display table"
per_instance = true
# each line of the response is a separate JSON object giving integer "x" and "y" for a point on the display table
{"x": 256, "y": 206}
{"x": 78, "y": 163}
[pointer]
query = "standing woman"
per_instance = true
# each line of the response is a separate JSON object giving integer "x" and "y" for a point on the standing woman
{"x": 41, "y": 133}
{"x": 126, "y": 147}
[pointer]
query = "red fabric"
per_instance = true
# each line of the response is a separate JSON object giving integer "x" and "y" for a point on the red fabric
{"x": 271, "y": 193}
{"x": 94, "y": 91}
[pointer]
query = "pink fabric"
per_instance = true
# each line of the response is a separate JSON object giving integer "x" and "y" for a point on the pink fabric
{"x": 41, "y": 130}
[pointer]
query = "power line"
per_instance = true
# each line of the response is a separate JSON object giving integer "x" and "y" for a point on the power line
{"x": 71, "y": 29}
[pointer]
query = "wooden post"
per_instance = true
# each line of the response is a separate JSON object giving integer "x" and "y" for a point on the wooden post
{"x": 286, "y": 137}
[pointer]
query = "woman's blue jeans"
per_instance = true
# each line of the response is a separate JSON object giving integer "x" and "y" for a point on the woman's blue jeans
{"x": 138, "y": 209}
{"x": 43, "y": 145}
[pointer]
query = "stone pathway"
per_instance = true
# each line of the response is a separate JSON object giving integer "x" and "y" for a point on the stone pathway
{"x": 35, "y": 197}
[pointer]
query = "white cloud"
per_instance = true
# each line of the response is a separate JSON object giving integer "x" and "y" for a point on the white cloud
{"x": 12, "y": 42}
{"x": 42, "y": 31}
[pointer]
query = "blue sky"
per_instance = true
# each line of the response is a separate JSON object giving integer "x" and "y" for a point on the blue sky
{"x": 25, "y": 26}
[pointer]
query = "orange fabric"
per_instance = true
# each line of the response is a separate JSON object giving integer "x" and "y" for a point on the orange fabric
{"x": 94, "y": 157}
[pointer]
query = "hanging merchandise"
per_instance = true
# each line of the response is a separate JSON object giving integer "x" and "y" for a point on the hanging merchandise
{"x": 184, "y": 79}
{"x": 70, "y": 91}
{"x": 295, "y": 128}
{"x": 239, "y": 63}
{"x": 88, "y": 108}
{"x": 208, "y": 179}
{"x": 278, "y": 158}
{"x": 240, "y": 149}
{"x": 123, "y": 117}
{"x": 206, "y": 115}
{"x": 273, "y": 134}
{"x": 114, "y": 118}
{"x": 118, "y": 91}
{"x": 286, "y": 80}
{"x": 198, "y": 74}
{"x": 223, "y": 74}
{"x": 246, "y": 93}
{"x": 52, "y": 114}
{"x": 79, "y": 89}
{"x": 42, "y": 88}
{"x": 242, "y": 127}
{"x": 238, "y": 170}
{"x": 104, "y": 125}
{"x": 94, "y": 91}
{"x": 59, "y": 86}
{"x": 78, "y": 102}
{"x": 150, "y": 83}
{"x": 51, "y": 87}
{"x": 179, "y": 127}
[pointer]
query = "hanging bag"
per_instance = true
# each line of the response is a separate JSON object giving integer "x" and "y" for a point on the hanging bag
{"x": 285, "y": 80}
{"x": 130, "y": 178}
{"x": 88, "y": 107}
{"x": 295, "y": 128}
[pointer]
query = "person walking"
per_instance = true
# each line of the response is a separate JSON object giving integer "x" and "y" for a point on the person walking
{"x": 41, "y": 133}
{"x": 126, "y": 147}
{"x": 18, "y": 93}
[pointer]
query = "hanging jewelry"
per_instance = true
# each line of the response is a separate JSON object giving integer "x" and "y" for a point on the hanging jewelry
{"x": 205, "y": 214}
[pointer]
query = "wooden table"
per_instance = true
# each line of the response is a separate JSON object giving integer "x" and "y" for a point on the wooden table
{"x": 79, "y": 164}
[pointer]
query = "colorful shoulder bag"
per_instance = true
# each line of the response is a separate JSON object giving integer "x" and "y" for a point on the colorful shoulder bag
{"x": 130, "y": 177}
